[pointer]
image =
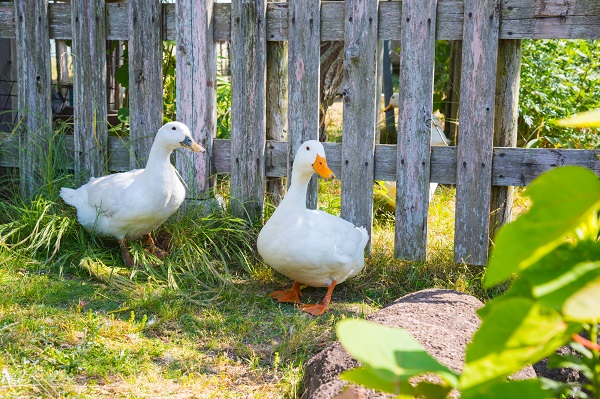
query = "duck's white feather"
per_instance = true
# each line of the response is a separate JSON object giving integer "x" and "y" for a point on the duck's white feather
{"x": 309, "y": 246}
{"x": 131, "y": 204}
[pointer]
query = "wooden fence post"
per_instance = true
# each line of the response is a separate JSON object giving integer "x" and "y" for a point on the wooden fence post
{"x": 145, "y": 77}
{"x": 196, "y": 90}
{"x": 453, "y": 91}
{"x": 277, "y": 108}
{"x": 417, "y": 61}
{"x": 388, "y": 91}
{"x": 248, "y": 109}
{"x": 8, "y": 85}
{"x": 304, "y": 59}
{"x": 505, "y": 124}
{"x": 33, "y": 74}
{"x": 89, "y": 88}
{"x": 475, "y": 134}
{"x": 360, "y": 108}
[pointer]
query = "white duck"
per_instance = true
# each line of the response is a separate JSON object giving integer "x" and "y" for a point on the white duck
{"x": 437, "y": 138}
{"x": 311, "y": 247}
{"x": 131, "y": 204}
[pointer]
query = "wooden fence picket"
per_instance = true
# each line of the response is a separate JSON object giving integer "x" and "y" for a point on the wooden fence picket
{"x": 248, "y": 109}
{"x": 303, "y": 79}
{"x": 196, "y": 90}
{"x": 89, "y": 88}
{"x": 476, "y": 132}
{"x": 417, "y": 60}
{"x": 361, "y": 104}
{"x": 145, "y": 77}
{"x": 505, "y": 124}
{"x": 33, "y": 75}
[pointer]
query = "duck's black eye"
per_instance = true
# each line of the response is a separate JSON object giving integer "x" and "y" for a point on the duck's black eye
{"x": 173, "y": 128}
{"x": 307, "y": 148}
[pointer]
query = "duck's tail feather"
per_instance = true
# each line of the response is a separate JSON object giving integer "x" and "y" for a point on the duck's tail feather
{"x": 70, "y": 196}
{"x": 365, "y": 237}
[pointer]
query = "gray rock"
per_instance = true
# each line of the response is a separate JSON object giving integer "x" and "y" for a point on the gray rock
{"x": 443, "y": 321}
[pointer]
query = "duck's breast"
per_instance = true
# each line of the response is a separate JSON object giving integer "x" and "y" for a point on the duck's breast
{"x": 312, "y": 247}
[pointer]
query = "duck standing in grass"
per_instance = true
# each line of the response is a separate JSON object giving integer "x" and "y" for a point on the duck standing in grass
{"x": 311, "y": 247}
{"x": 131, "y": 204}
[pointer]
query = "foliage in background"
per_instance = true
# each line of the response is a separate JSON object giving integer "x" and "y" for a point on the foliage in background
{"x": 169, "y": 85}
{"x": 554, "y": 251}
{"x": 558, "y": 78}
{"x": 223, "y": 107}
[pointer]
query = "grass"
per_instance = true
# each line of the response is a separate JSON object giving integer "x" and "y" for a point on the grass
{"x": 75, "y": 324}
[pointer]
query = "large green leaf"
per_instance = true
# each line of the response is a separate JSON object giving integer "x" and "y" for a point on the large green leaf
{"x": 563, "y": 199}
{"x": 584, "y": 304}
{"x": 530, "y": 389}
{"x": 514, "y": 332}
{"x": 389, "y": 356}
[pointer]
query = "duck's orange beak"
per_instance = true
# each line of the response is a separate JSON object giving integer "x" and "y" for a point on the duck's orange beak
{"x": 320, "y": 166}
{"x": 390, "y": 106}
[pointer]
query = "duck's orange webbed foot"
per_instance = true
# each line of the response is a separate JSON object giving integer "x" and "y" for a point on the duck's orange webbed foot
{"x": 319, "y": 308}
{"x": 292, "y": 295}
{"x": 315, "y": 309}
{"x": 153, "y": 249}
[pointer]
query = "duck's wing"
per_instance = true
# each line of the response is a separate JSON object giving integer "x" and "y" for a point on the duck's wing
{"x": 341, "y": 238}
{"x": 108, "y": 194}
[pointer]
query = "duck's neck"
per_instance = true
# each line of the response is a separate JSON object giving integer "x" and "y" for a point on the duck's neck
{"x": 296, "y": 195}
{"x": 158, "y": 160}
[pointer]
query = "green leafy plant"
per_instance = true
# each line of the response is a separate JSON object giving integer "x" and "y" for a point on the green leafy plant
{"x": 554, "y": 253}
{"x": 558, "y": 78}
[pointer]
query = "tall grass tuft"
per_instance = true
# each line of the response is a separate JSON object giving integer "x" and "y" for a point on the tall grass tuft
{"x": 206, "y": 250}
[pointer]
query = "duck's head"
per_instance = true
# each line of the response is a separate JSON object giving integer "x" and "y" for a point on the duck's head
{"x": 394, "y": 102}
{"x": 174, "y": 135}
{"x": 310, "y": 158}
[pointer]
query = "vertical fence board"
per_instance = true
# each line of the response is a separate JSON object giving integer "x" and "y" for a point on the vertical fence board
{"x": 388, "y": 91}
{"x": 196, "y": 90}
{"x": 475, "y": 137}
{"x": 33, "y": 74}
{"x": 277, "y": 110}
{"x": 417, "y": 58}
{"x": 304, "y": 58}
{"x": 248, "y": 109}
{"x": 505, "y": 124}
{"x": 89, "y": 88}
{"x": 145, "y": 77}
{"x": 360, "y": 107}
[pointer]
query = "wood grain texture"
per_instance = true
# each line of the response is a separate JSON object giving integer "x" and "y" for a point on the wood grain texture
{"x": 196, "y": 91}
{"x": 360, "y": 102}
{"x": 417, "y": 59}
{"x": 145, "y": 77}
{"x": 89, "y": 88}
{"x": 533, "y": 19}
{"x": 475, "y": 137}
{"x": 276, "y": 109}
{"x": 304, "y": 59}
{"x": 33, "y": 75}
{"x": 248, "y": 109}
{"x": 505, "y": 124}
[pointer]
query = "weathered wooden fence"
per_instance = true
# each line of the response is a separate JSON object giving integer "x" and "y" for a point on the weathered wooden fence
{"x": 482, "y": 165}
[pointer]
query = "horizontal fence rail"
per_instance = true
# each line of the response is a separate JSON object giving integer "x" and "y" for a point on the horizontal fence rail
{"x": 540, "y": 19}
{"x": 510, "y": 166}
